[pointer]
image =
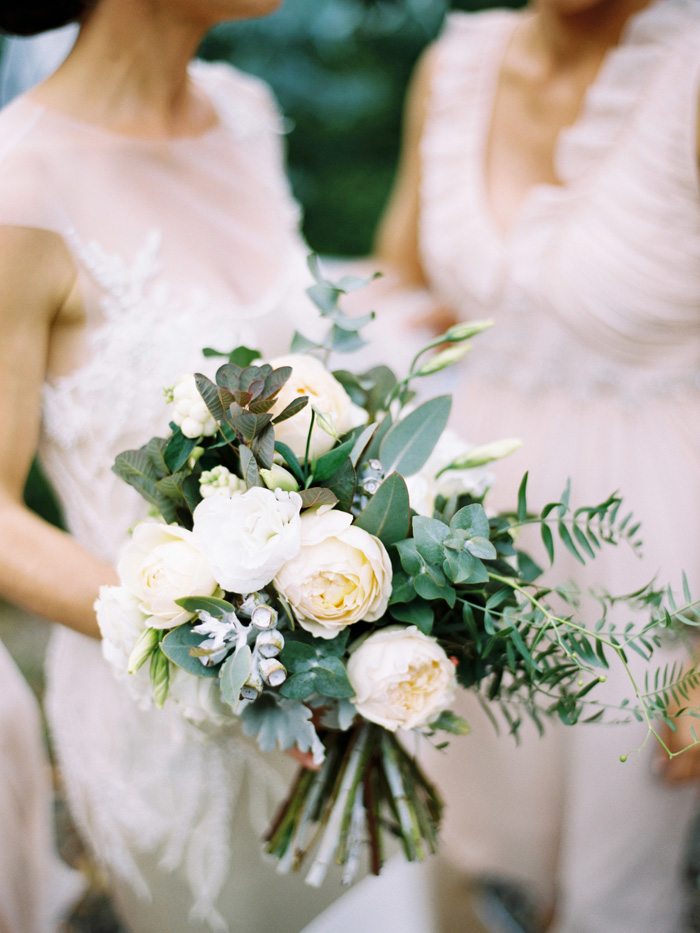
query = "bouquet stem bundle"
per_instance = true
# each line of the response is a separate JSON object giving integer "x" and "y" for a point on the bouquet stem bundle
{"x": 368, "y": 785}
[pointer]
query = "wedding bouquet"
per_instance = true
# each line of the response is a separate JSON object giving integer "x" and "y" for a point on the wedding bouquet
{"x": 320, "y": 568}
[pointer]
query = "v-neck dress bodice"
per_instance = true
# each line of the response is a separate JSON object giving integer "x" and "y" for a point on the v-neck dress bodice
{"x": 594, "y": 361}
{"x": 603, "y": 271}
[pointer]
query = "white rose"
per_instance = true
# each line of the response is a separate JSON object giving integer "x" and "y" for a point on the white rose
{"x": 220, "y": 482}
{"x": 310, "y": 377}
{"x": 122, "y": 623}
{"x": 162, "y": 563}
{"x": 247, "y": 538}
{"x": 189, "y": 410}
{"x": 425, "y": 486}
{"x": 341, "y": 575}
{"x": 198, "y": 698}
{"x": 402, "y": 678}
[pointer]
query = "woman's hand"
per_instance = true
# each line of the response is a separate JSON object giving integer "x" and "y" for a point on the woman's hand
{"x": 305, "y": 759}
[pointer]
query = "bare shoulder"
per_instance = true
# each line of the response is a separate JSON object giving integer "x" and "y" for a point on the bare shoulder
{"x": 36, "y": 276}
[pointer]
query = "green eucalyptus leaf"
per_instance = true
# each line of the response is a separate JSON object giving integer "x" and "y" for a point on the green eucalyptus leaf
{"x": 331, "y": 462}
{"x": 178, "y": 645}
{"x": 387, "y": 514}
{"x": 430, "y": 535}
{"x": 233, "y": 675}
{"x": 473, "y": 520}
{"x": 482, "y": 548}
{"x": 409, "y": 443}
{"x": 343, "y": 484}
{"x": 219, "y": 608}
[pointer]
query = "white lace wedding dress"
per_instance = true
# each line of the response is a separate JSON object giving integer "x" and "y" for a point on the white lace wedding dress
{"x": 178, "y": 245}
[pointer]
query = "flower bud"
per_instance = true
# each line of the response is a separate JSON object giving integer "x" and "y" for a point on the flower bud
{"x": 487, "y": 453}
{"x": 142, "y": 650}
{"x": 160, "y": 678}
{"x": 253, "y": 686}
{"x": 273, "y": 671}
{"x": 220, "y": 482}
{"x": 279, "y": 478}
{"x": 189, "y": 409}
{"x": 269, "y": 644}
{"x": 264, "y": 617}
{"x": 442, "y": 360}
{"x": 465, "y": 330}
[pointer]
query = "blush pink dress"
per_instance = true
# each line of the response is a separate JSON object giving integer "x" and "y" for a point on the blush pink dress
{"x": 595, "y": 363}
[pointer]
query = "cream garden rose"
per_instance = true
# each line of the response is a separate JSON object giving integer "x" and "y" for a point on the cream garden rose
{"x": 161, "y": 564}
{"x": 311, "y": 378}
{"x": 402, "y": 678}
{"x": 341, "y": 575}
{"x": 248, "y": 537}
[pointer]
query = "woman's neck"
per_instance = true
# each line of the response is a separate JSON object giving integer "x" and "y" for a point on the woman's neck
{"x": 128, "y": 71}
{"x": 566, "y": 38}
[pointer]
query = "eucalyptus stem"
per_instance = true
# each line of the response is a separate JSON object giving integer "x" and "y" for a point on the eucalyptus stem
{"x": 329, "y": 842}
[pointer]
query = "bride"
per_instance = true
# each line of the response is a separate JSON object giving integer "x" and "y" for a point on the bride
{"x": 143, "y": 216}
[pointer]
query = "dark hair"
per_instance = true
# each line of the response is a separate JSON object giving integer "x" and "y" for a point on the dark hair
{"x": 29, "y": 17}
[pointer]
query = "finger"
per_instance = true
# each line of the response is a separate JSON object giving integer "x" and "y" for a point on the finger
{"x": 305, "y": 759}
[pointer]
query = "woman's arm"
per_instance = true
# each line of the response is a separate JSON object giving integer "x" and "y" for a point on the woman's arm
{"x": 42, "y": 569}
{"x": 397, "y": 239}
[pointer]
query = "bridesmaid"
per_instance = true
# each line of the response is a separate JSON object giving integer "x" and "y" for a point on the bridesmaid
{"x": 550, "y": 180}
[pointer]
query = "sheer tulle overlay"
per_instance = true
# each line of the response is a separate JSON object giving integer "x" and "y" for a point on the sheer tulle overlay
{"x": 595, "y": 363}
{"x": 35, "y": 888}
{"x": 177, "y": 245}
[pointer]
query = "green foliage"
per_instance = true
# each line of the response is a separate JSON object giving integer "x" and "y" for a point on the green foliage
{"x": 409, "y": 443}
{"x": 387, "y": 515}
{"x": 316, "y": 668}
{"x": 282, "y": 724}
{"x": 178, "y": 646}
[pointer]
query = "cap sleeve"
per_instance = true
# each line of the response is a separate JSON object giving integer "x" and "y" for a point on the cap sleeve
{"x": 27, "y": 194}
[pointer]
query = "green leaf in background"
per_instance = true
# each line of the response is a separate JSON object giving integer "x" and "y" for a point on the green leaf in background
{"x": 419, "y": 614}
{"x": 302, "y": 344}
{"x": 233, "y": 675}
{"x": 387, "y": 514}
{"x": 450, "y": 722}
{"x": 409, "y": 443}
{"x": 177, "y": 646}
